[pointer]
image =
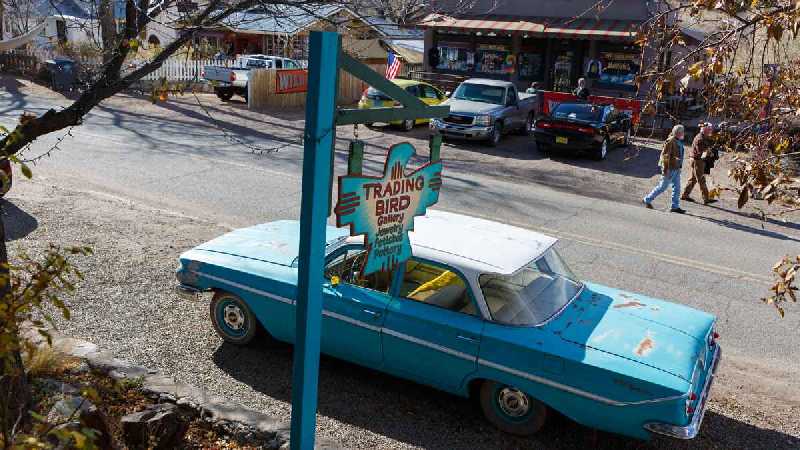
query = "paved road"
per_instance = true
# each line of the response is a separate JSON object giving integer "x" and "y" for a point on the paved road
{"x": 716, "y": 259}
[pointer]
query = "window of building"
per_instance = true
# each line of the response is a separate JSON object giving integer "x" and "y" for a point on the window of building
{"x": 531, "y": 66}
{"x": 494, "y": 59}
{"x": 617, "y": 67}
{"x": 437, "y": 286}
{"x": 455, "y": 56}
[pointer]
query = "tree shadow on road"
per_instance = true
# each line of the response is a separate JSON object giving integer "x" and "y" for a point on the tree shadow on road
{"x": 420, "y": 416}
{"x": 746, "y": 228}
{"x": 12, "y": 85}
{"x": 18, "y": 223}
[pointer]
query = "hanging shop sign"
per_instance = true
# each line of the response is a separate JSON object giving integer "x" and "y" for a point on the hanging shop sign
{"x": 290, "y": 81}
{"x": 383, "y": 208}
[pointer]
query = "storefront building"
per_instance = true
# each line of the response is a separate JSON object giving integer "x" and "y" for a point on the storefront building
{"x": 525, "y": 41}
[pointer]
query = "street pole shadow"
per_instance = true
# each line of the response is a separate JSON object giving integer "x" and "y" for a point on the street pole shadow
{"x": 18, "y": 223}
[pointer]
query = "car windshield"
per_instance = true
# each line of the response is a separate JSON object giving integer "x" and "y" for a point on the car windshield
{"x": 533, "y": 294}
{"x": 480, "y": 93}
{"x": 579, "y": 111}
{"x": 375, "y": 94}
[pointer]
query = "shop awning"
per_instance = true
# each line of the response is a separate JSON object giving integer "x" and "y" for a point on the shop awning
{"x": 593, "y": 29}
{"x": 543, "y": 26}
{"x": 488, "y": 25}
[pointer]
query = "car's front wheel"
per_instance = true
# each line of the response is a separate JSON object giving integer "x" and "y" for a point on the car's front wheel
{"x": 512, "y": 410}
{"x": 224, "y": 95}
{"x": 496, "y": 135}
{"x": 602, "y": 152}
{"x": 232, "y": 318}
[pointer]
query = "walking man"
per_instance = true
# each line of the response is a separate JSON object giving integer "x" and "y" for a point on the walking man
{"x": 671, "y": 161}
{"x": 699, "y": 154}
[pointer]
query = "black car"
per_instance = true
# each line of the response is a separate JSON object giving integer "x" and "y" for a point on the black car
{"x": 582, "y": 128}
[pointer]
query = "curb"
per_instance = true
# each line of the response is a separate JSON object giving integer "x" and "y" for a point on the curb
{"x": 245, "y": 424}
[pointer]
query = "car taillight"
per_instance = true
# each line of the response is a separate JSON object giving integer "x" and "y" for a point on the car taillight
{"x": 587, "y": 130}
{"x": 396, "y": 103}
{"x": 233, "y": 76}
{"x": 202, "y": 74}
{"x": 689, "y": 410}
{"x": 692, "y": 396}
{"x": 541, "y": 124}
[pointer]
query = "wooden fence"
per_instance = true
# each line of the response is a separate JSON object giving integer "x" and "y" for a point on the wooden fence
{"x": 262, "y": 82}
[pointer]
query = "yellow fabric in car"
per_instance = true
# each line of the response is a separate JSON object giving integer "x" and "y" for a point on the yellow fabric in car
{"x": 445, "y": 279}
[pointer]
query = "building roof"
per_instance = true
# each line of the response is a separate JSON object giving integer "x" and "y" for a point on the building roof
{"x": 80, "y": 9}
{"x": 634, "y": 10}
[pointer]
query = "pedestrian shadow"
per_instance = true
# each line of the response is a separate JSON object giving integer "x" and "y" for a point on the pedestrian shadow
{"x": 420, "y": 416}
{"x": 17, "y": 222}
{"x": 745, "y": 228}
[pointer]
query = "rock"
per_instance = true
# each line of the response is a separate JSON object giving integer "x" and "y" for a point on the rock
{"x": 158, "y": 427}
{"x": 55, "y": 387}
{"x": 77, "y": 408}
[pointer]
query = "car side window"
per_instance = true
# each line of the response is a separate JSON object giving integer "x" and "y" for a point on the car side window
{"x": 437, "y": 286}
{"x": 413, "y": 90}
{"x": 430, "y": 92}
{"x": 347, "y": 264}
{"x": 291, "y": 65}
{"x": 511, "y": 97}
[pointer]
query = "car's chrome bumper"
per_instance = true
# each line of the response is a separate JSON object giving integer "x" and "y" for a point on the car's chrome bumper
{"x": 461, "y": 131}
{"x": 691, "y": 430}
{"x": 187, "y": 292}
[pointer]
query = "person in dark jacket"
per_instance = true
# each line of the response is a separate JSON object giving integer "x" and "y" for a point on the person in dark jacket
{"x": 582, "y": 92}
{"x": 699, "y": 156}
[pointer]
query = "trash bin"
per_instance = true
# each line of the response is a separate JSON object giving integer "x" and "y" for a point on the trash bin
{"x": 62, "y": 73}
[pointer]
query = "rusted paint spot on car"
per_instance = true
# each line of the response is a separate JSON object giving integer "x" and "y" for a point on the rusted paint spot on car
{"x": 630, "y": 304}
{"x": 645, "y": 346}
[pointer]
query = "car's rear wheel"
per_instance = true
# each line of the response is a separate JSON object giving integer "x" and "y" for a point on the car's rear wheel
{"x": 527, "y": 129}
{"x": 232, "y": 318}
{"x": 627, "y": 141}
{"x": 407, "y": 125}
{"x": 512, "y": 410}
{"x": 224, "y": 95}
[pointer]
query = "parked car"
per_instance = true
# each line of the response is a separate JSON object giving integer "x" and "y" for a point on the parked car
{"x": 6, "y": 178}
{"x": 429, "y": 95}
{"x": 485, "y": 110}
{"x": 482, "y": 310}
{"x": 230, "y": 81}
{"x": 583, "y": 128}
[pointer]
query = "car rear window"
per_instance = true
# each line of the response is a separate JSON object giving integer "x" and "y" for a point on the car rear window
{"x": 375, "y": 94}
{"x": 579, "y": 111}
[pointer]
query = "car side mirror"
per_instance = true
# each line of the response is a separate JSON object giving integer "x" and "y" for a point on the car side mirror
{"x": 447, "y": 94}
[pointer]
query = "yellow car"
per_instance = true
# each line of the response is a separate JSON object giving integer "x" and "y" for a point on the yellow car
{"x": 374, "y": 98}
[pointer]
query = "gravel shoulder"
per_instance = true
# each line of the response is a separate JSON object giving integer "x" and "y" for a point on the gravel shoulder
{"x": 126, "y": 305}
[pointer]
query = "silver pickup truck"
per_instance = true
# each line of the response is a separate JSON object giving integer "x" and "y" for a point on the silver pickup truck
{"x": 228, "y": 81}
{"x": 482, "y": 109}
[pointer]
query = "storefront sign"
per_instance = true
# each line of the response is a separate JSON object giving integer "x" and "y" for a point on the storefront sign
{"x": 383, "y": 208}
{"x": 291, "y": 81}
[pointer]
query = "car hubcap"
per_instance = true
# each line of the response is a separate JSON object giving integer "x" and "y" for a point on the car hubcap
{"x": 604, "y": 149}
{"x": 513, "y": 402}
{"x": 530, "y": 124}
{"x": 234, "y": 317}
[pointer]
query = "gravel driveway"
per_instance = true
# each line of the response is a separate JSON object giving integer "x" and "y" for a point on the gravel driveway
{"x": 127, "y": 305}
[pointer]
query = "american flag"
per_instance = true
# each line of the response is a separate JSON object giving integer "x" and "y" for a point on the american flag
{"x": 392, "y": 66}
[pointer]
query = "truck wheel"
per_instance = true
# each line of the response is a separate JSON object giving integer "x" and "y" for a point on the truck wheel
{"x": 497, "y": 134}
{"x": 527, "y": 128}
{"x": 224, "y": 95}
{"x": 232, "y": 318}
{"x": 512, "y": 410}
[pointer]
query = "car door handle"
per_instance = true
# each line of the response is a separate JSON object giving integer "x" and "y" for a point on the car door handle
{"x": 374, "y": 314}
{"x": 467, "y": 338}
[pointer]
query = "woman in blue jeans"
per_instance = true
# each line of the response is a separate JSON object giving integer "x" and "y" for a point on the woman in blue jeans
{"x": 671, "y": 161}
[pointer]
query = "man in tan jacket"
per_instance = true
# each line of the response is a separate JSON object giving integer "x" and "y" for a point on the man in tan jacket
{"x": 671, "y": 161}
{"x": 701, "y": 146}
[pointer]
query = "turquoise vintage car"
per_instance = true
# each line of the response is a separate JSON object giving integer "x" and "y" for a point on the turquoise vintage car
{"x": 484, "y": 310}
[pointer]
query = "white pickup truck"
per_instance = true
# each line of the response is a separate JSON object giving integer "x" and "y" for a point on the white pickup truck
{"x": 228, "y": 81}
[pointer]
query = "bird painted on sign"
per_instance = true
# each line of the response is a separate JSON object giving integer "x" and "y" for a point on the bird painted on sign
{"x": 383, "y": 208}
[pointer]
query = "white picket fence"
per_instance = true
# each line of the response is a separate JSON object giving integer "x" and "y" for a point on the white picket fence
{"x": 181, "y": 69}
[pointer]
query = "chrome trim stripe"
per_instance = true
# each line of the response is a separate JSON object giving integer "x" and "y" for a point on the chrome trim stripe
{"x": 350, "y": 320}
{"x": 431, "y": 345}
{"x": 571, "y": 389}
{"x": 288, "y": 301}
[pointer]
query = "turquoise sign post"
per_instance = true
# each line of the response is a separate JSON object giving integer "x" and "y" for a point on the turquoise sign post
{"x": 383, "y": 208}
{"x": 325, "y": 60}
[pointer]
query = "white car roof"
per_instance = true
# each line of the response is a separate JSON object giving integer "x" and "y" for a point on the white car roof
{"x": 478, "y": 245}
